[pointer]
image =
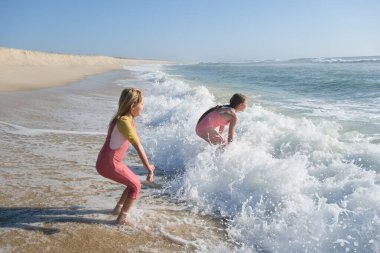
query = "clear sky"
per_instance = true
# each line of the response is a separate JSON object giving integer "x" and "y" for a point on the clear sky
{"x": 194, "y": 30}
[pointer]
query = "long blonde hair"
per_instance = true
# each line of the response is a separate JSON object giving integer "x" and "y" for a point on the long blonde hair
{"x": 129, "y": 97}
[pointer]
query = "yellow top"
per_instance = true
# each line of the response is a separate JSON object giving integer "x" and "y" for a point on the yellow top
{"x": 127, "y": 128}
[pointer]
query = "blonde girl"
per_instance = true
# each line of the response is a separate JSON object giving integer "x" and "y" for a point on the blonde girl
{"x": 121, "y": 133}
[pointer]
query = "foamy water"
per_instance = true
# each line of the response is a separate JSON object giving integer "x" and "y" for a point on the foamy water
{"x": 301, "y": 176}
{"x": 53, "y": 200}
{"x": 296, "y": 181}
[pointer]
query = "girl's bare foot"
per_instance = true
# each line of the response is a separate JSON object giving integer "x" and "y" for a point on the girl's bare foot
{"x": 122, "y": 219}
{"x": 117, "y": 209}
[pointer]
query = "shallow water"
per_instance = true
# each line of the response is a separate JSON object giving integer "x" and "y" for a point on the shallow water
{"x": 52, "y": 198}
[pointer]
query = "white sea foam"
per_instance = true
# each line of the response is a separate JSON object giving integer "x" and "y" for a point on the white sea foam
{"x": 373, "y": 59}
{"x": 345, "y": 110}
{"x": 20, "y": 130}
{"x": 285, "y": 185}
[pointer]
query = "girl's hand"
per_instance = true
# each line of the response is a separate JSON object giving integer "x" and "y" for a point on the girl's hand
{"x": 151, "y": 168}
{"x": 149, "y": 178}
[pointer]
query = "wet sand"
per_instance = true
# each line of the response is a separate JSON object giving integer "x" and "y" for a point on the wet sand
{"x": 52, "y": 198}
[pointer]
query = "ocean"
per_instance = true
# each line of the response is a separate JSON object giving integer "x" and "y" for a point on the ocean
{"x": 303, "y": 172}
{"x": 302, "y": 175}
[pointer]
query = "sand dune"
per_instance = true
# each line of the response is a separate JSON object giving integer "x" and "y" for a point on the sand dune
{"x": 25, "y": 69}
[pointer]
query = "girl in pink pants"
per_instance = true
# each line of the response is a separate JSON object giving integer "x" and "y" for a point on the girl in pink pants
{"x": 109, "y": 164}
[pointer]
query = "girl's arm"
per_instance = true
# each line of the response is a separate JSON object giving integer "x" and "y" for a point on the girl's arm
{"x": 143, "y": 157}
{"x": 231, "y": 129}
{"x": 125, "y": 127}
{"x": 145, "y": 162}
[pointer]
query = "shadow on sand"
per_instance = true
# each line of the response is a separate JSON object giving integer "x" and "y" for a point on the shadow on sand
{"x": 26, "y": 217}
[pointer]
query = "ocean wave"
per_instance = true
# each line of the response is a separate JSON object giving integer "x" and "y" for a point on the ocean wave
{"x": 285, "y": 185}
{"x": 364, "y": 59}
{"x": 347, "y": 60}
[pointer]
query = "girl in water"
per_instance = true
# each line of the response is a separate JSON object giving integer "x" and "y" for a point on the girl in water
{"x": 121, "y": 132}
{"x": 220, "y": 116}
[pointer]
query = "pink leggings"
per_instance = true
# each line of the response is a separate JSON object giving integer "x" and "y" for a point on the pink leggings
{"x": 110, "y": 165}
{"x": 123, "y": 175}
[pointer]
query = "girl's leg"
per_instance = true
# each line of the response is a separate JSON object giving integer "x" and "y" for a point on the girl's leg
{"x": 129, "y": 196}
{"x": 213, "y": 137}
{"x": 120, "y": 203}
{"x": 122, "y": 219}
{"x": 125, "y": 176}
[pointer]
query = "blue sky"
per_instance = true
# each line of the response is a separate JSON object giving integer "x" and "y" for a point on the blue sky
{"x": 194, "y": 30}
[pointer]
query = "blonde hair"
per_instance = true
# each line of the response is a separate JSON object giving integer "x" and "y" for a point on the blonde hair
{"x": 237, "y": 99}
{"x": 129, "y": 97}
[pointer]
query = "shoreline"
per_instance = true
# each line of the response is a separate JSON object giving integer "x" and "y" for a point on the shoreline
{"x": 26, "y": 70}
{"x": 66, "y": 199}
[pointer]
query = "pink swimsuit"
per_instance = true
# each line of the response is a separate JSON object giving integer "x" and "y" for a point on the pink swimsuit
{"x": 210, "y": 122}
{"x": 110, "y": 165}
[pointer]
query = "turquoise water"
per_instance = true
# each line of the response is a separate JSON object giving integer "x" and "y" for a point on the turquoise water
{"x": 345, "y": 90}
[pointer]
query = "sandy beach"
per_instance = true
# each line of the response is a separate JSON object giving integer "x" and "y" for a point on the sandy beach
{"x": 25, "y": 69}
